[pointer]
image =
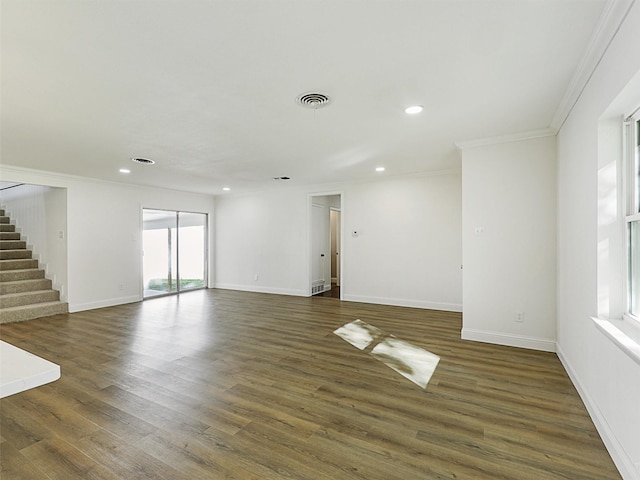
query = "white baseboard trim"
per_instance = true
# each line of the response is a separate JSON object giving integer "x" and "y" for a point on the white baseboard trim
{"x": 622, "y": 461}
{"x": 401, "y": 302}
{"x": 259, "y": 289}
{"x": 80, "y": 307}
{"x": 510, "y": 340}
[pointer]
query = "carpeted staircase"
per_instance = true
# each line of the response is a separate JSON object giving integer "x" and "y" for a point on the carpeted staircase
{"x": 24, "y": 292}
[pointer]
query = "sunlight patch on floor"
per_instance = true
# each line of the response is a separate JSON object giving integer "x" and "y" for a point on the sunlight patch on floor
{"x": 414, "y": 363}
{"x": 359, "y": 334}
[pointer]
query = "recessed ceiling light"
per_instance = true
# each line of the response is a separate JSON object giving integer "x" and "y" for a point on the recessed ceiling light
{"x": 379, "y": 169}
{"x": 413, "y": 109}
{"x": 124, "y": 170}
{"x": 226, "y": 189}
{"x": 143, "y": 161}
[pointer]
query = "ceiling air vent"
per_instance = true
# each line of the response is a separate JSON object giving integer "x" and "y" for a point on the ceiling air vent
{"x": 313, "y": 100}
{"x": 144, "y": 161}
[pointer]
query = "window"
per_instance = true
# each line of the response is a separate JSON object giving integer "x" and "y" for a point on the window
{"x": 618, "y": 249}
{"x": 633, "y": 215}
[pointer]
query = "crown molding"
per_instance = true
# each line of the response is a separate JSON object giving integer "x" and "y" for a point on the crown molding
{"x": 515, "y": 137}
{"x": 47, "y": 178}
{"x": 612, "y": 17}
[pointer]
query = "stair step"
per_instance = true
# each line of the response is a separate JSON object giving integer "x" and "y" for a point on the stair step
{"x": 19, "y": 286}
{"x": 25, "y": 293}
{"x": 9, "y": 235}
{"x": 28, "y": 298}
{"x": 15, "y": 254}
{"x": 19, "y": 264}
{"x": 12, "y": 244}
{"x": 29, "y": 312}
{"x": 24, "y": 274}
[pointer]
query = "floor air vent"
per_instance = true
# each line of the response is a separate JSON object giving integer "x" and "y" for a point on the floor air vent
{"x": 317, "y": 287}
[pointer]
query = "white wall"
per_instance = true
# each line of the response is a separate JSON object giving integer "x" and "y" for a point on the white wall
{"x": 509, "y": 243}
{"x": 264, "y": 235}
{"x": 407, "y": 252}
{"x": 607, "y": 379}
{"x": 104, "y": 233}
{"x": 40, "y": 215}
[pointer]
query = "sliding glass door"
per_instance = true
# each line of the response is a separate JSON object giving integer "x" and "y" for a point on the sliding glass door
{"x": 192, "y": 250}
{"x": 174, "y": 251}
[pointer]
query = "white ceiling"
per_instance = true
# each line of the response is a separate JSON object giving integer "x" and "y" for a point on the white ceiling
{"x": 207, "y": 88}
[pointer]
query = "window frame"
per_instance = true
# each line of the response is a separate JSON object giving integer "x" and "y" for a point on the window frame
{"x": 632, "y": 203}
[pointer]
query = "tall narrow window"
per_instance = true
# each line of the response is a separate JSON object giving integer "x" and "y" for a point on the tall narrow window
{"x": 633, "y": 217}
{"x": 174, "y": 251}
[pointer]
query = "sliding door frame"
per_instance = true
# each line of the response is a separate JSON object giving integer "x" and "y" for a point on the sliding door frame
{"x": 176, "y": 247}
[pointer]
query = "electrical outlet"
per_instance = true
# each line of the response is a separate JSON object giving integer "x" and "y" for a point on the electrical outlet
{"x": 255, "y": 277}
{"x": 520, "y": 317}
{"x": 120, "y": 286}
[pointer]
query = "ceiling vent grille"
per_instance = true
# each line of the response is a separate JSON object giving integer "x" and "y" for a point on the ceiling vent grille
{"x": 144, "y": 161}
{"x": 313, "y": 100}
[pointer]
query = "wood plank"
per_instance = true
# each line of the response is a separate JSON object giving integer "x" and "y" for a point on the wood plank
{"x": 62, "y": 461}
{"x": 15, "y": 466}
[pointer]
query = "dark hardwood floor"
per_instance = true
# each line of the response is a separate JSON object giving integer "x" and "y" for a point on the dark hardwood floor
{"x": 221, "y": 384}
{"x": 333, "y": 293}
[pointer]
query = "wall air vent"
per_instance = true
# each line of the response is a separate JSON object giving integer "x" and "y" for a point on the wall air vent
{"x": 317, "y": 287}
{"x": 143, "y": 161}
{"x": 313, "y": 100}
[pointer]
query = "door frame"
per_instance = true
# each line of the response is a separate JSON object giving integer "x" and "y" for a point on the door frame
{"x": 310, "y": 203}
{"x": 338, "y": 241}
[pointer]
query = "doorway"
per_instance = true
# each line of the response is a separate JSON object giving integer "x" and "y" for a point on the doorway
{"x": 174, "y": 251}
{"x": 326, "y": 241}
